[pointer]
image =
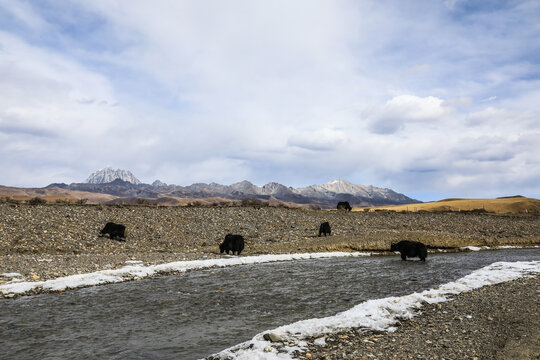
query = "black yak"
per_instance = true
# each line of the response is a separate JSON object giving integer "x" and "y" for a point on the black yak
{"x": 344, "y": 205}
{"x": 234, "y": 243}
{"x": 325, "y": 229}
{"x": 115, "y": 231}
{"x": 410, "y": 249}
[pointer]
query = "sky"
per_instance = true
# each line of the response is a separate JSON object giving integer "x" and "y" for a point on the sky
{"x": 431, "y": 98}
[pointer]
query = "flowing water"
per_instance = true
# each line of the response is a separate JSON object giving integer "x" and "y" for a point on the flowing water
{"x": 191, "y": 315}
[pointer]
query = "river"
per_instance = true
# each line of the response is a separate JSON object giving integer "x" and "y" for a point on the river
{"x": 195, "y": 314}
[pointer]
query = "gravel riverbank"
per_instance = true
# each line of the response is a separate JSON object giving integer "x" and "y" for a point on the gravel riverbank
{"x": 494, "y": 322}
{"x": 42, "y": 242}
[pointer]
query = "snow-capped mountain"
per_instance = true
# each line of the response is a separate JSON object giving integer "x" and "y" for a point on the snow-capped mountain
{"x": 274, "y": 188}
{"x": 325, "y": 194}
{"x": 108, "y": 174}
{"x": 345, "y": 187}
{"x": 123, "y": 183}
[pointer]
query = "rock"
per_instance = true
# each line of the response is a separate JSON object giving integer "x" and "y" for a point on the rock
{"x": 273, "y": 337}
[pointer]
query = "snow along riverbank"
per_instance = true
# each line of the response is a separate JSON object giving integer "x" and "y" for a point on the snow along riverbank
{"x": 378, "y": 314}
{"x": 135, "y": 271}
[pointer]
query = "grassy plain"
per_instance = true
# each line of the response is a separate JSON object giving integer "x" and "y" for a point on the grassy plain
{"x": 507, "y": 205}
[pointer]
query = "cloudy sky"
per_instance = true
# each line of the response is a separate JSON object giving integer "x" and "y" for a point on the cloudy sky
{"x": 431, "y": 98}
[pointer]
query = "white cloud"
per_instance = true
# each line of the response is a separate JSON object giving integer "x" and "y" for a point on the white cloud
{"x": 212, "y": 91}
{"x": 404, "y": 109}
{"x": 415, "y": 108}
{"x": 219, "y": 169}
{"x": 43, "y": 89}
{"x": 43, "y": 119}
{"x": 451, "y": 3}
{"x": 487, "y": 115}
{"x": 319, "y": 140}
{"x": 24, "y": 13}
{"x": 460, "y": 102}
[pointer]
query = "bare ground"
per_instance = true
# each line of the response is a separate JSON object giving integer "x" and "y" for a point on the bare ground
{"x": 494, "y": 322}
{"x": 498, "y": 322}
{"x": 46, "y": 241}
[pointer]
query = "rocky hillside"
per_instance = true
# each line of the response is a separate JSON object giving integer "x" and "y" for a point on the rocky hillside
{"x": 47, "y": 241}
{"x": 74, "y": 229}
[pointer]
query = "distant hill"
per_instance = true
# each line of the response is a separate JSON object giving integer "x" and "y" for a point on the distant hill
{"x": 503, "y": 205}
{"x": 53, "y": 194}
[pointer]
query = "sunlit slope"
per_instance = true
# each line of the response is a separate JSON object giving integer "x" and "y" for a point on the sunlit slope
{"x": 512, "y": 205}
{"x": 52, "y": 194}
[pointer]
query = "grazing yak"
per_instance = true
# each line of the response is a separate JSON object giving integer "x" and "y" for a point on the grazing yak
{"x": 325, "y": 229}
{"x": 234, "y": 243}
{"x": 410, "y": 249}
{"x": 344, "y": 205}
{"x": 115, "y": 231}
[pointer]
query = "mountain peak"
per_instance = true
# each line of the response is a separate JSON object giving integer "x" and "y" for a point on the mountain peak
{"x": 245, "y": 187}
{"x": 339, "y": 182}
{"x": 108, "y": 174}
{"x": 158, "y": 183}
{"x": 341, "y": 186}
{"x": 273, "y": 188}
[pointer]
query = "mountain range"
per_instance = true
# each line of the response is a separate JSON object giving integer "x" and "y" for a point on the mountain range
{"x": 122, "y": 183}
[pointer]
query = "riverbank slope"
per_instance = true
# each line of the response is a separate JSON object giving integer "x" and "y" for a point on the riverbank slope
{"x": 41, "y": 242}
{"x": 494, "y": 322}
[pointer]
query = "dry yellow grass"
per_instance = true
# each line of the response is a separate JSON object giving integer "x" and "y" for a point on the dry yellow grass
{"x": 53, "y": 194}
{"x": 509, "y": 205}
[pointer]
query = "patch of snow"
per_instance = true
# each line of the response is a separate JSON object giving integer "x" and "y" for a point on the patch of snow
{"x": 108, "y": 174}
{"x": 16, "y": 280}
{"x": 320, "y": 341}
{"x": 140, "y": 271}
{"x": 377, "y": 314}
{"x": 10, "y": 275}
{"x": 474, "y": 248}
{"x": 509, "y": 247}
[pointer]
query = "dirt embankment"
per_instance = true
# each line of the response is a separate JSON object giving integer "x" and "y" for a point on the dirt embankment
{"x": 47, "y": 241}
